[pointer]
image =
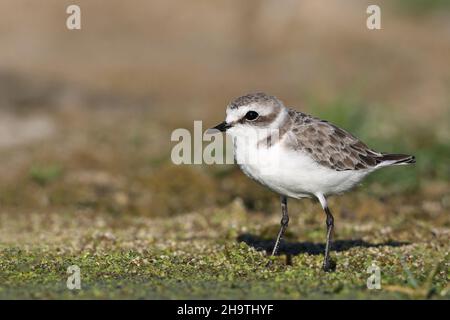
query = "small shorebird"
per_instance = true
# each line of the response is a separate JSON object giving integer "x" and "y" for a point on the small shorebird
{"x": 309, "y": 157}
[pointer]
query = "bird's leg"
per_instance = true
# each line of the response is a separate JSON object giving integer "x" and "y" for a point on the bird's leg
{"x": 328, "y": 265}
{"x": 284, "y": 224}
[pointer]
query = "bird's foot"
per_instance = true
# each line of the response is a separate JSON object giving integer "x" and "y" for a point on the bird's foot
{"x": 329, "y": 265}
{"x": 269, "y": 263}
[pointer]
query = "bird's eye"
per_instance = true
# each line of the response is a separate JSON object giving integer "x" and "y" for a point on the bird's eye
{"x": 251, "y": 115}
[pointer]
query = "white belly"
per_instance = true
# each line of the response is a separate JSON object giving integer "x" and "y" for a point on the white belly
{"x": 293, "y": 173}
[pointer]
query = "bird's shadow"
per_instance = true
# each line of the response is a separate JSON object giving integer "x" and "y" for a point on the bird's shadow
{"x": 296, "y": 248}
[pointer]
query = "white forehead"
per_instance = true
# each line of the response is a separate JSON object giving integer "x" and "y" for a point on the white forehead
{"x": 238, "y": 113}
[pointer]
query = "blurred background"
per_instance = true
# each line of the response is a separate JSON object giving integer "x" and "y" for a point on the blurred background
{"x": 86, "y": 116}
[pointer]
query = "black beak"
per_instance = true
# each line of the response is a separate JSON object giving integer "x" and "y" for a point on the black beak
{"x": 222, "y": 127}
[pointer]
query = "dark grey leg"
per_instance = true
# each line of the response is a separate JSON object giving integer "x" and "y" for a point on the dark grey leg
{"x": 284, "y": 224}
{"x": 327, "y": 264}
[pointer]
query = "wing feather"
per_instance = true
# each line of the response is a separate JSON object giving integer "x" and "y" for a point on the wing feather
{"x": 329, "y": 145}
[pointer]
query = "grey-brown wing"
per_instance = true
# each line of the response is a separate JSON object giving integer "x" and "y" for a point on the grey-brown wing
{"x": 329, "y": 145}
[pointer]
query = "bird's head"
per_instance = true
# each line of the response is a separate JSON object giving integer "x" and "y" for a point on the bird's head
{"x": 252, "y": 112}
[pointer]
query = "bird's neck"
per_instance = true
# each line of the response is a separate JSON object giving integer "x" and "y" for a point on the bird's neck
{"x": 281, "y": 124}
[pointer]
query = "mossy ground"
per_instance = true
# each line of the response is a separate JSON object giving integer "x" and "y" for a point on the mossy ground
{"x": 218, "y": 253}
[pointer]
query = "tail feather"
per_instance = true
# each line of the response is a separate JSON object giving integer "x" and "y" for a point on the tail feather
{"x": 397, "y": 159}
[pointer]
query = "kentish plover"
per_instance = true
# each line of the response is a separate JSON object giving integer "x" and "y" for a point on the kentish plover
{"x": 313, "y": 157}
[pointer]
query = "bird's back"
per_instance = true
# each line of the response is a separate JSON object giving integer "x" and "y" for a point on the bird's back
{"x": 335, "y": 148}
